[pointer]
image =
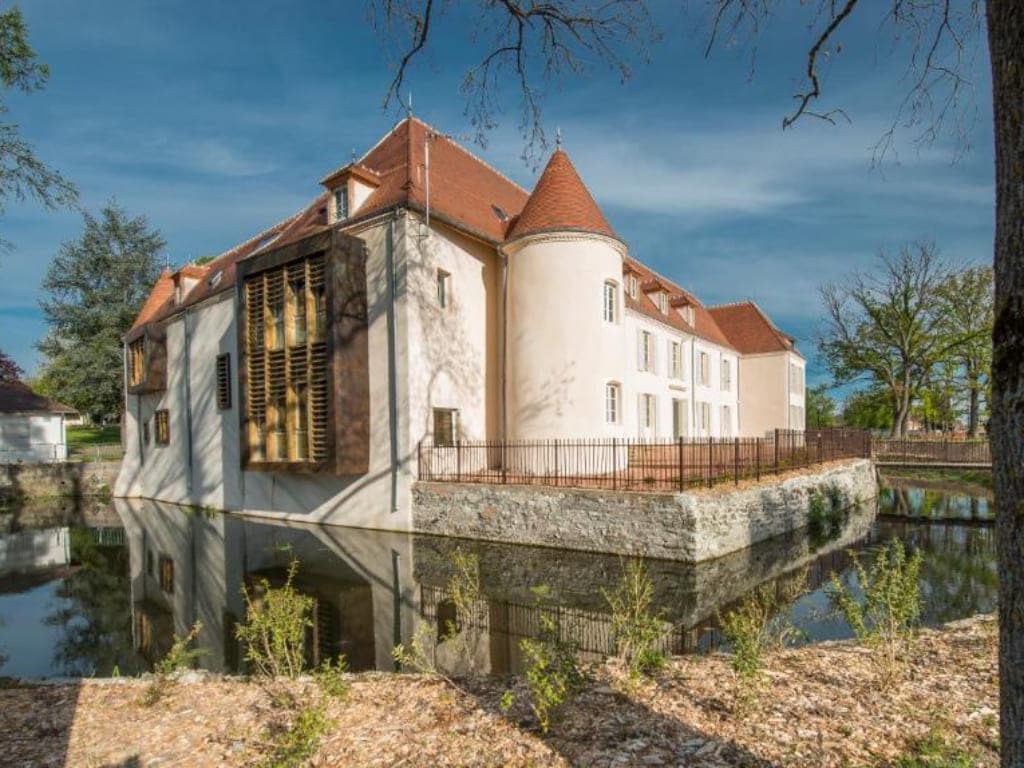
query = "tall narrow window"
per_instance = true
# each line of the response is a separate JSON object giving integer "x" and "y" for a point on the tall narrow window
{"x": 612, "y": 399}
{"x": 443, "y": 288}
{"x": 648, "y": 416}
{"x": 166, "y": 574}
{"x": 675, "y": 359}
{"x": 162, "y": 427}
{"x": 663, "y": 302}
{"x": 704, "y": 412}
{"x": 341, "y": 203}
{"x": 611, "y": 302}
{"x": 726, "y": 376}
{"x": 136, "y": 361}
{"x": 680, "y": 417}
{"x": 646, "y": 351}
{"x": 287, "y": 368}
{"x": 223, "y": 382}
{"x": 632, "y": 286}
{"x": 726, "y": 421}
{"x": 704, "y": 369}
{"x": 446, "y": 427}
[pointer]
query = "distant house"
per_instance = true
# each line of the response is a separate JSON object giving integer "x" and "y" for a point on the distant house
{"x": 32, "y": 427}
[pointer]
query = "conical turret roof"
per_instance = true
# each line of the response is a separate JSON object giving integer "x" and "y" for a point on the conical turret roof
{"x": 560, "y": 201}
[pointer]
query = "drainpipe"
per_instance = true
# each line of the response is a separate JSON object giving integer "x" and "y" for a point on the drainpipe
{"x": 502, "y": 333}
{"x": 693, "y": 384}
{"x": 389, "y": 264}
{"x": 188, "y": 398}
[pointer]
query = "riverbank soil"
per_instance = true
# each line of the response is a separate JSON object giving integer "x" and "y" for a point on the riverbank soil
{"x": 821, "y": 706}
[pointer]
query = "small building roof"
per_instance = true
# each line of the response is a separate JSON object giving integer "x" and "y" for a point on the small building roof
{"x": 560, "y": 201}
{"x": 18, "y": 397}
{"x": 749, "y": 330}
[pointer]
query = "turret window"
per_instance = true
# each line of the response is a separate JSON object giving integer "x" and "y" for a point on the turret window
{"x": 611, "y": 301}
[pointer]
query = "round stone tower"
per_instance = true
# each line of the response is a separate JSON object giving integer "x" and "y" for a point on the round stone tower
{"x": 565, "y": 338}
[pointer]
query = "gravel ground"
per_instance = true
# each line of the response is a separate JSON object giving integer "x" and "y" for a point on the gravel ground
{"x": 820, "y": 706}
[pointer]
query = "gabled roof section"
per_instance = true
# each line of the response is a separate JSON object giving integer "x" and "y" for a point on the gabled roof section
{"x": 560, "y": 202}
{"x": 750, "y": 330}
{"x": 464, "y": 190}
{"x": 704, "y": 325}
{"x": 18, "y": 397}
{"x": 161, "y": 294}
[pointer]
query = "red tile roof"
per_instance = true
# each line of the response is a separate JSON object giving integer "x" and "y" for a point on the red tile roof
{"x": 749, "y": 329}
{"x": 560, "y": 201}
{"x": 162, "y": 291}
{"x": 18, "y": 397}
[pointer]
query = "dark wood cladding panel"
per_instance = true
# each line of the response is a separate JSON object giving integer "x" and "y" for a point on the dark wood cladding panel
{"x": 154, "y": 369}
{"x": 349, "y": 350}
{"x": 345, "y": 366}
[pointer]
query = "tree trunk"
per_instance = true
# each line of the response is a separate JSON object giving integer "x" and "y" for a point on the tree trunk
{"x": 1006, "y": 44}
{"x": 972, "y": 411}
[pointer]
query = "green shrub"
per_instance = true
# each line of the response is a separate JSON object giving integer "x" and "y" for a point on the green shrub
{"x": 463, "y": 589}
{"x": 178, "y": 658}
{"x": 817, "y": 511}
{"x": 275, "y": 632}
{"x": 552, "y": 673}
{"x": 636, "y": 629}
{"x": 885, "y": 613}
{"x": 294, "y": 745}
{"x": 934, "y": 751}
{"x": 760, "y": 623}
{"x": 330, "y": 678}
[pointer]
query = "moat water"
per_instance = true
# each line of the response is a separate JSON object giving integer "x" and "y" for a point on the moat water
{"x": 103, "y": 589}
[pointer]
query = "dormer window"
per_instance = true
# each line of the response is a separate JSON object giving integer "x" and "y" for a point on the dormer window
{"x": 633, "y": 286}
{"x": 341, "y": 203}
{"x": 663, "y": 302}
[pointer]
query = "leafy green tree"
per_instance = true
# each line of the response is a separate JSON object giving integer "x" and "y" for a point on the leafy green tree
{"x": 887, "y": 325}
{"x": 821, "y": 408}
{"x": 868, "y": 409}
{"x": 95, "y": 287}
{"x": 22, "y": 173}
{"x": 9, "y": 370}
{"x": 968, "y": 310}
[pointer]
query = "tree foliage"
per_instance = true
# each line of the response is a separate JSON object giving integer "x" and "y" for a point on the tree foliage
{"x": 967, "y": 306}
{"x": 22, "y": 173}
{"x": 868, "y": 409}
{"x": 9, "y": 370}
{"x": 95, "y": 287}
{"x": 821, "y": 408}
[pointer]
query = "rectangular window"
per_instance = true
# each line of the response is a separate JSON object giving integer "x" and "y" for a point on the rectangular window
{"x": 796, "y": 379}
{"x": 287, "y": 385}
{"x": 223, "y": 382}
{"x": 136, "y": 361}
{"x": 796, "y": 417}
{"x": 611, "y": 403}
{"x": 680, "y": 417}
{"x": 726, "y": 376}
{"x": 726, "y": 421}
{"x": 633, "y": 284}
{"x": 166, "y": 574}
{"x": 648, "y": 406}
{"x": 162, "y": 427}
{"x": 611, "y": 300}
{"x": 704, "y": 369}
{"x": 663, "y": 302}
{"x": 675, "y": 359}
{"x": 341, "y": 203}
{"x": 443, "y": 288}
{"x": 446, "y": 427}
{"x": 704, "y": 413}
{"x": 646, "y": 351}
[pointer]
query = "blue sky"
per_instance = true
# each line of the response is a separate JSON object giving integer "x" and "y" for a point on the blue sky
{"x": 215, "y": 123}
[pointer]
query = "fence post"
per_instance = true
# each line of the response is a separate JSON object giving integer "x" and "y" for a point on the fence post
{"x": 711, "y": 461}
{"x": 556, "y": 462}
{"x": 458, "y": 461}
{"x": 757, "y": 457}
{"x": 419, "y": 459}
{"x": 615, "y": 462}
{"x": 776, "y": 445}
{"x": 680, "y": 444}
{"x": 736, "y": 462}
{"x": 819, "y": 448}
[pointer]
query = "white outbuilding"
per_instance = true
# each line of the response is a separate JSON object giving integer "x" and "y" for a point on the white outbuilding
{"x": 32, "y": 427}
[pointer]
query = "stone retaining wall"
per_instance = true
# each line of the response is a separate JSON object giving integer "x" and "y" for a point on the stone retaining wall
{"x": 693, "y": 526}
{"x": 85, "y": 478}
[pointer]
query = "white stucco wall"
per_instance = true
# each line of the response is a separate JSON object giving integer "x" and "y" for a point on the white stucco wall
{"x": 32, "y": 437}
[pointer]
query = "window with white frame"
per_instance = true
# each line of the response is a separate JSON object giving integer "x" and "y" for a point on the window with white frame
{"x": 704, "y": 369}
{"x": 611, "y": 301}
{"x": 726, "y": 375}
{"x": 704, "y": 418}
{"x": 645, "y": 351}
{"x": 663, "y": 302}
{"x": 796, "y": 379}
{"x": 612, "y": 402}
{"x": 796, "y": 417}
{"x": 446, "y": 427}
{"x": 680, "y": 417}
{"x": 444, "y": 289}
{"x": 726, "y": 421}
{"x": 341, "y": 203}
{"x": 675, "y": 359}
{"x": 648, "y": 414}
{"x": 633, "y": 286}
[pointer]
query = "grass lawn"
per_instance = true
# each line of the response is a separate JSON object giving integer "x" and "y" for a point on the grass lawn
{"x": 79, "y": 437}
{"x": 978, "y": 477}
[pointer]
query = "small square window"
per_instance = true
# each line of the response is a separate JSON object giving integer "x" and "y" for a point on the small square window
{"x": 446, "y": 427}
{"x": 444, "y": 287}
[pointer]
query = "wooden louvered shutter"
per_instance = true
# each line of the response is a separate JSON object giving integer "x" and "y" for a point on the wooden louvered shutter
{"x": 256, "y": 373}
{"x": 319, "y": 366}
{"x": 223, "y": 382}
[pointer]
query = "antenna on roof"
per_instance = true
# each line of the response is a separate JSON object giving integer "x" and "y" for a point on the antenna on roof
{"x": 408, "y": 106}
{"x": 353, "y": 160}
{"x": 558, "y": 137}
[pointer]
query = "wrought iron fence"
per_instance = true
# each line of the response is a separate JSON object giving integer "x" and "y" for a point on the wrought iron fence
{"x": 634, "y": 464}
{"x": 910, "y": 450}
{"x": 55, "y": 453}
